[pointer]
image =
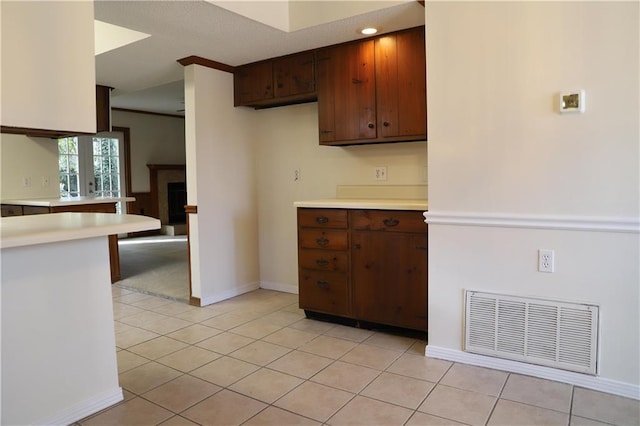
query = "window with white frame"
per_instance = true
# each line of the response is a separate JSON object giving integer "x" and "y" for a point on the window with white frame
{"x": 91, "y": 166}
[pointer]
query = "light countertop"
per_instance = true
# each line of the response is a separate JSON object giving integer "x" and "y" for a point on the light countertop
{"x": 19, "y": 231}
{"x": 365, "y": 203}
{"x": 65, "y": 201}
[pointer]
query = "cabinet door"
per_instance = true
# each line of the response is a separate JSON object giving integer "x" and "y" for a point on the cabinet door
{"x": 103, "y": 109}
{"x": 346, "y": 93}
{"x": 253, "y": 83}
{"x": 389, "y": 278}
{"x": 294, "y": 75}
{"x": 401, "y": 84}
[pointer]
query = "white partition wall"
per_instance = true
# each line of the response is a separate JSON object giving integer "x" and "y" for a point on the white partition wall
{"x": 509, "y": 174}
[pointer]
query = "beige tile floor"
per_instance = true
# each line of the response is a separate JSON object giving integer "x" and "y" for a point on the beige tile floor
{"x": 255, "y": 360}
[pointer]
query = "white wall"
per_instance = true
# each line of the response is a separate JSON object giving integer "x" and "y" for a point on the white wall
{"x": 155, "y": 139}
{"x": 48, "y": 65}
{"x": 500, "y": 151}
{"x": 286, "y": 140}
{"x": 59, "y": 360}
{"x": 222, "y": 182}
{"x": 33, "y": 158}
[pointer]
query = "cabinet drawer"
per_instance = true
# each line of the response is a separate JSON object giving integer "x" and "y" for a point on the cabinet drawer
{"x": 323, "y": 260}
{"x": 322, "y": 218}
{"x": 323, "y": 239}
{"x": 27, "y": 210}
{"x": 11, "y": 210}
{"x": 388, "y": 220}
{"x": 323, "y": 291}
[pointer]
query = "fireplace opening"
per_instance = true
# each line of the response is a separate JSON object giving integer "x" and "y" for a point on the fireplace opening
{"x": 177, "y": 199}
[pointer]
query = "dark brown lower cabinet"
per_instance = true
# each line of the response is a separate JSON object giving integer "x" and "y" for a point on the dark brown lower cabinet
{"x": 364, "y": 265}
{"x": 389, "y": 278}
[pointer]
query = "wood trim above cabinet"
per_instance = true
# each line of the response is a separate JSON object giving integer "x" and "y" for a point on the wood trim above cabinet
{"x": 39, "y": 133}
{"x": 190, "y": 60}
{"x": 190, "y": 209}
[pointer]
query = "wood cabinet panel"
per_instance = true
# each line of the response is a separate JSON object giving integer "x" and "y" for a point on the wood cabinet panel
{"x": 294, "y": 75}
{"x": 401, "y": 84}
{"x": 389, "y": 278}
{"x": 103, "y": 109}
{"x": 280, "y": 81}
{"x": 372, "y": 266}
{"x": 346, "y": 93}
{"x": 28, "y": 210}
{"x": 322, "y": 218}
{"x": 373, "y": 91}
{"x": 324, "y": 260}
{"x": 323, "y": 239}
{"x": 324, "y": 292}
{"x": 388, "y": 220}
{"x": 253, "y": 83}
{"x": 11, "y": 210}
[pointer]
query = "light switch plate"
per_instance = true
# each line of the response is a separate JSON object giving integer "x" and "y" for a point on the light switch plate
{"x": 572, "y": 101}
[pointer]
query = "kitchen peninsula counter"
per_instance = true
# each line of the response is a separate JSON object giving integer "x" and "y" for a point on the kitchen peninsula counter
{"x": 18, "y": 231}
{"x": 64, "y": 201}
{"x": 58, "y": 341}
{"x": 39, "y": 206}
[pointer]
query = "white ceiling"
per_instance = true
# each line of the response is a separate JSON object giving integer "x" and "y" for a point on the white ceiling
{"x": 146, "y": 76}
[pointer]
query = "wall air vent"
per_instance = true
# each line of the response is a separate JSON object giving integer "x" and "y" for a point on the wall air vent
{"x": 550, "y": 333}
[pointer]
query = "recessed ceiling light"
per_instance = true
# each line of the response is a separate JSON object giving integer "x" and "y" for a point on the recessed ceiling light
{"x": 369, "y": 30}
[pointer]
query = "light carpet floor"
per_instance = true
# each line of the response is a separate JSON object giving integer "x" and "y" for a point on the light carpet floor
{"x": 155, "y": 265}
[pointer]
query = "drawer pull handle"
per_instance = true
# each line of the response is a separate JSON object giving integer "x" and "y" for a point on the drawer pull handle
{"x": 322, "y": 241}
{"x": 322, "y": 219}
{"x": 322, "y": 284}
{"x": 391, "y": 222}
{"x": 325, "y": 262}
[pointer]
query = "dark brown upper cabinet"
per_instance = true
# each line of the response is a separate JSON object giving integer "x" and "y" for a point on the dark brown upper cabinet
{"x": 280, "y": 81}
{"x": 373, "y": 91}
{"x": 103, "y": 109}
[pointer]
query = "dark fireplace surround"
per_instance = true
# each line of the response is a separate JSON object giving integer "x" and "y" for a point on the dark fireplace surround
{"x": 168, "y": 192}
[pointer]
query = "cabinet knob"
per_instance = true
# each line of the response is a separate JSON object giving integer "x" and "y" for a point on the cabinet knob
{"x": 322, "y": 219}
{"x": 370, "y": 125}
{"x": 322, "y": 262}
{"x": 391, "y": 222}
{"x": 322, "y": 241}
{"x": 385, "y": 124}
{"x": 322, "y": 284}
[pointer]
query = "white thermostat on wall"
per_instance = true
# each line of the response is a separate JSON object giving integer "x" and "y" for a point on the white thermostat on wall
{"x": 572, "y": 101}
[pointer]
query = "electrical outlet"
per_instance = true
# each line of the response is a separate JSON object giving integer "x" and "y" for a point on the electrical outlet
{"x": 26, "y": 182}
{"x": 45, "y": 181}
{"x": 545, "y": 260}
{"x": 297, "y": 175}
{"x": 380, "y": 173}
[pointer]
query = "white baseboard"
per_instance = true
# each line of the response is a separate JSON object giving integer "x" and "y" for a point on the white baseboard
{"x": 601, "y": 384}
{"x": 228, "y": 294}
{"x": 85, "y": 408}
{"x": 287, "y": 288}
